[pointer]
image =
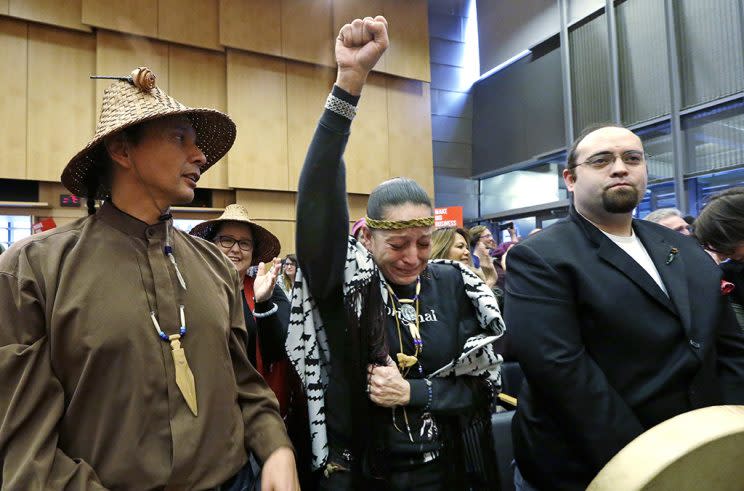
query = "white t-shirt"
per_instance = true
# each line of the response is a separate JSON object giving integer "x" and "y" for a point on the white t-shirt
{"x": 635, "y": 249}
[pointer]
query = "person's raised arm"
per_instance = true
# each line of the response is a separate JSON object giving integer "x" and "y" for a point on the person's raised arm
{"x": 272, "y": 311}
{"x": 322, "y": 211}
{"x": 272, "y": 329}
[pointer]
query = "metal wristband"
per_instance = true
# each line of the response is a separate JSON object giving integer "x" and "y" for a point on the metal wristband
{"x": 340, "y": 107}
{"x": 269, "y": 312}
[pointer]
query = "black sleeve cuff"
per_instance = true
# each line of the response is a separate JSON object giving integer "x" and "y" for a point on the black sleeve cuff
{"x": 262, "y": 307}
{"x": 419, "y": 393}
{"x": 345, "y": 96}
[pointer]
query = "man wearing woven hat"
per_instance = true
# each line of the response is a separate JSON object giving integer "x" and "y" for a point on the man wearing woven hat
{"x": 122, "y": 340}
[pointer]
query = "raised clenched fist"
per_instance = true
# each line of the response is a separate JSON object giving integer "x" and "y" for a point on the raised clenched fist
{"x": 359, "y": 46}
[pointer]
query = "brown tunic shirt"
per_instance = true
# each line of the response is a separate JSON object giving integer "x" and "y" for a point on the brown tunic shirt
{"x": 88, "y": 398}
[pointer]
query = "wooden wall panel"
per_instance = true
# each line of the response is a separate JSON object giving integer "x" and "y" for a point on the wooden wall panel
{"x": 307, "y": 34}
{"x": 60, "y": 114}
{"x": 253, "y": 25}
{"x": 357, "y": 207}
{"x": 197, "y": 78}
{"x": 131, "y": 16}
{"x": 257, "y": 102}
{"x": 367, "y": 160}
{"x": 198, "y": 214}
{"x": 267, "y": 205}
{"x": 275, "y": 102}
{"x": 192, "y": 22}
{"x": 284, "y": 231}
{"x": 14, "y": 43}
{"x": 408, "y": 55}
{"x": 222, "y": 197}
{"x": 62, "y": 13}
{"x": 409, "y": 140}
{"x": 308, "y": 87}
{"x": 119, "y": 54}
{"x": 345, "y": 11}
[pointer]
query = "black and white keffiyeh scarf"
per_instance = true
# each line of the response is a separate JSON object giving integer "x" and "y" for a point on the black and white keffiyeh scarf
{"x": 307, "y": 344}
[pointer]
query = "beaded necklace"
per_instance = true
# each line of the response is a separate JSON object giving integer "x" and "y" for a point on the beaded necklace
{"x": 410, "y": 314}
{"x": 405, "y": 362}
{"x": 184, "y": 375}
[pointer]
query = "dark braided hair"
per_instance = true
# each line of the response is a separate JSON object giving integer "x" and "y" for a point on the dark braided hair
{"x": 395, "y": 192}
{"x": 92, "y": 190}
{"x": 100, "y": 161}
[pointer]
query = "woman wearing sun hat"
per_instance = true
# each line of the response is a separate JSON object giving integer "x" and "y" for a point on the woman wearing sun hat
{"x": 250, "y": 247}
{"x": 254, "y": 250}
{"x": 122, "y": 349}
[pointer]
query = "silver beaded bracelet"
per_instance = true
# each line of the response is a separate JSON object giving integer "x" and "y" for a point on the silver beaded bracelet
{"x": 269, "y": 312}
{"x": 340, "y": 107}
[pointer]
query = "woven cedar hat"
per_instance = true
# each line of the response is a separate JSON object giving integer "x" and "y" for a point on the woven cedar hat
{"x": 266, "y": 245}
{"x": 133, "y": 100}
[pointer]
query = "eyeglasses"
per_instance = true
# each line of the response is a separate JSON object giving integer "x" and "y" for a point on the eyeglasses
{"x": 228, "y": 242}
{"x": 602, "y": 160}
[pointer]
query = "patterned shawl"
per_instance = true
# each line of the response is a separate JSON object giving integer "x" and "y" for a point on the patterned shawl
{"x": 307, "y": 344}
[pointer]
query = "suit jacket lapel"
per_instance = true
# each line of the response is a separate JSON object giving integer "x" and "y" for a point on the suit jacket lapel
{"x": 611, "y": 253}
{"x": 671, "y": 266}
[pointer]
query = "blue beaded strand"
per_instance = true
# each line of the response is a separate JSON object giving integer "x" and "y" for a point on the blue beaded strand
{"x": 164, "y": 336}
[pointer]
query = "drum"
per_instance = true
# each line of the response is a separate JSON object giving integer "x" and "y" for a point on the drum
{"x": 698, "y": 450}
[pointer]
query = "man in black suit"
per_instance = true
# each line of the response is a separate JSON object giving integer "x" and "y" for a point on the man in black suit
{"x": 618, "y": 324}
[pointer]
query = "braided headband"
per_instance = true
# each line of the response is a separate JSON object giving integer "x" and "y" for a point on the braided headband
{"x": 399, "y": 224}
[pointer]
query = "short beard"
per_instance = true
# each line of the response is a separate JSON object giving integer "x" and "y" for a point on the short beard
{"x": 620, "y": 200}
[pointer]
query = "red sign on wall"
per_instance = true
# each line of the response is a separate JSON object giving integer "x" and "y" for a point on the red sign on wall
{"x": 43, "y": 225}
{"x": 448, "y": 217}
{"x": 69, "y": 200}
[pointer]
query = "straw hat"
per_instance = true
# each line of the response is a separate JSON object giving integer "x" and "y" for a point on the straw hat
{"x": 266, "y": 245}
{"x": 136, "y": 99}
